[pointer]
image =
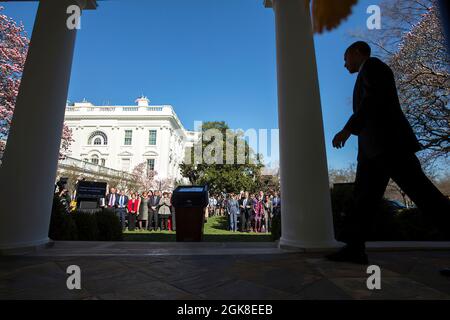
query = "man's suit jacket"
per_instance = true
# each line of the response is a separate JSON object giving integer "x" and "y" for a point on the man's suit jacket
{"x": 153, "y": 202}
{"x": 108, "y": 197}
{"x": 276, "y": 201}
{"x": 378, "y": 119}
{"x": 125, "y": 201}
{"x": 233, "y": 206}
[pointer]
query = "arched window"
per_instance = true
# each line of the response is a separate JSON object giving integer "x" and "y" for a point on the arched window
{"x": 97, "y": 141}
{"x": 98, "y": 135}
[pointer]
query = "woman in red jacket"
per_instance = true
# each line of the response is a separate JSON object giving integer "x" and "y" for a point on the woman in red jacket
{"x": 133, "y": 209}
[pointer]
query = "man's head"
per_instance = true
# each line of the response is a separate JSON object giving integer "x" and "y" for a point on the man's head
{"x": 355, "y": 55}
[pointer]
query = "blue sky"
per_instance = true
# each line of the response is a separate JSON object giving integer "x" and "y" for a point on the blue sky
{"x": 210, "y": 59}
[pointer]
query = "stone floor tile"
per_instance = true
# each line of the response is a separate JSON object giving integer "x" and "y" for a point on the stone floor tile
{"x": 244, "y": 290}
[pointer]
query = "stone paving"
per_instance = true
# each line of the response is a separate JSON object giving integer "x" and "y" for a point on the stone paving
{"x": 235, "y": 271}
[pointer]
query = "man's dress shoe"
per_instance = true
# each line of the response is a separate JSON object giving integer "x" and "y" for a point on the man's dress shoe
{"x": 347, "y": 254}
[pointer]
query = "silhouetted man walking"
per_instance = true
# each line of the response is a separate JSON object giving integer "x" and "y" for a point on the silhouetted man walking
{"x": 386, "y": 149}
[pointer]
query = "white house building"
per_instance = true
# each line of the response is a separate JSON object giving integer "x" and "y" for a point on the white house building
{"x": 122, "y": 137}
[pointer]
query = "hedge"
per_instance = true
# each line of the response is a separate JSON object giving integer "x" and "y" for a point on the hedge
{"x": 101, "y": 226}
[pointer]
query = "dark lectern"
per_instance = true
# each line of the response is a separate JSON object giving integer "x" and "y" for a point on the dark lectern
{"x": 190, "y": 203}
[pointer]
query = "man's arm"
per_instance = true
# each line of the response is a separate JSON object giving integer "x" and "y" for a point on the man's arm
{"x": 372, "y": 80}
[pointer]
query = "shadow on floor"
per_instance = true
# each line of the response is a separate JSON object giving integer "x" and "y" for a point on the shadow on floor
{"x": 171, "y": 237}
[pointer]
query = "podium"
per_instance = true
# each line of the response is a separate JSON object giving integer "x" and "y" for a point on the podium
{"x": 190, "y": 203}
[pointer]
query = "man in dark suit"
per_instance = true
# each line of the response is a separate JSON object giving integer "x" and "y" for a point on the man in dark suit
{"x": 242, "y": 208}
{"x": 386, "y": 150}
{"x": 153, "y": 205}
{"x": 111, "y": 199}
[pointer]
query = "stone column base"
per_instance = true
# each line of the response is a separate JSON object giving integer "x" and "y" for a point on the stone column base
{"x": 25, "y": 248}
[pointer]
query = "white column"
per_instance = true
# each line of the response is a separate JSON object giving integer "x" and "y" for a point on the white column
{"x": 29, "y": 165}
{"x": 306, "y": 206}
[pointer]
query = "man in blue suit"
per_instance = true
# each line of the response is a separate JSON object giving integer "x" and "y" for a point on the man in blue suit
{"x": 233, "y": 211}
{"x": 121, "y": 204}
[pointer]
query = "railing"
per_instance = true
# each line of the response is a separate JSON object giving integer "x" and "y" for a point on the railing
{"x": 154, "y": 108}
{"x": 93, "y": 168}
{"x": 116, "y": 108}
{"x": 130, "y": 108}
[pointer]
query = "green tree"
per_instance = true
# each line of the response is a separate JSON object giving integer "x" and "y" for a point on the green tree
{"x": 223, "y": 160}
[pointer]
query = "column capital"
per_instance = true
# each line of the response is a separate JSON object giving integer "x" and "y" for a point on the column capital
{"x": 87, "y": 4}
{"x": 268, "y": 3}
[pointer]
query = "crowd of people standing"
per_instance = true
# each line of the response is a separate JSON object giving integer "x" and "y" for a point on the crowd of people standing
{"x": 246, "y": 212}
{"x": 149, "y": 210}
{"x": 153, "y": 210}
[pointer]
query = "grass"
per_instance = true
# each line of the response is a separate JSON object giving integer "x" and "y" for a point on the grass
{"x": 215, "y": 230}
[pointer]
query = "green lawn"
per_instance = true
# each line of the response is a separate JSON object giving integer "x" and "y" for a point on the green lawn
{"x": 215, "y": 230}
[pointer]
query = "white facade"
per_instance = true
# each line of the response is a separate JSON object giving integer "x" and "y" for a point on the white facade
{"x": 122, "y": 137}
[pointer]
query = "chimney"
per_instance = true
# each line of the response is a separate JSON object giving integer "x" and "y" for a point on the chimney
{"x": 143, "y": 101}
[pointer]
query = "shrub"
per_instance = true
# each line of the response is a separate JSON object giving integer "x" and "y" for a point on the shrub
{"x": 385, "y": 225}
{"x": 417, "y": 227}
{"x": 86, "y": 226}
{"x": 100, "y": 226}
{"x": 388, "y": 224}
{"x": 109, "y": 226}
{"x": 276, "y": 227}
{"x": 62, "y": 226}
{"x": 341, "y": 203}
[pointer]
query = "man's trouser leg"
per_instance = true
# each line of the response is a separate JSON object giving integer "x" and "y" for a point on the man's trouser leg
{"x": 407, "y": 172}
{"x": 121, "y": 213}
{"x": 150, "y": 220}
{"x": 248, "y": 218}
{"x": 243, "y": 221}
{"x": 156, "y": 219}
{"x": 370, "y": 184}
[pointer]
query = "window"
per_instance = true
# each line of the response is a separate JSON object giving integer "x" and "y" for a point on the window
{"x": 97, "y": 141}
{"x": 98, "y": 135}
{"x": 150, "y": 164}
{"x": 103, "y": 161}
{"x": 126, "y": 162}
{"x": 128, "y": 137}
{"x": 94, "y": 159}
{"x": 152, "y": 137}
